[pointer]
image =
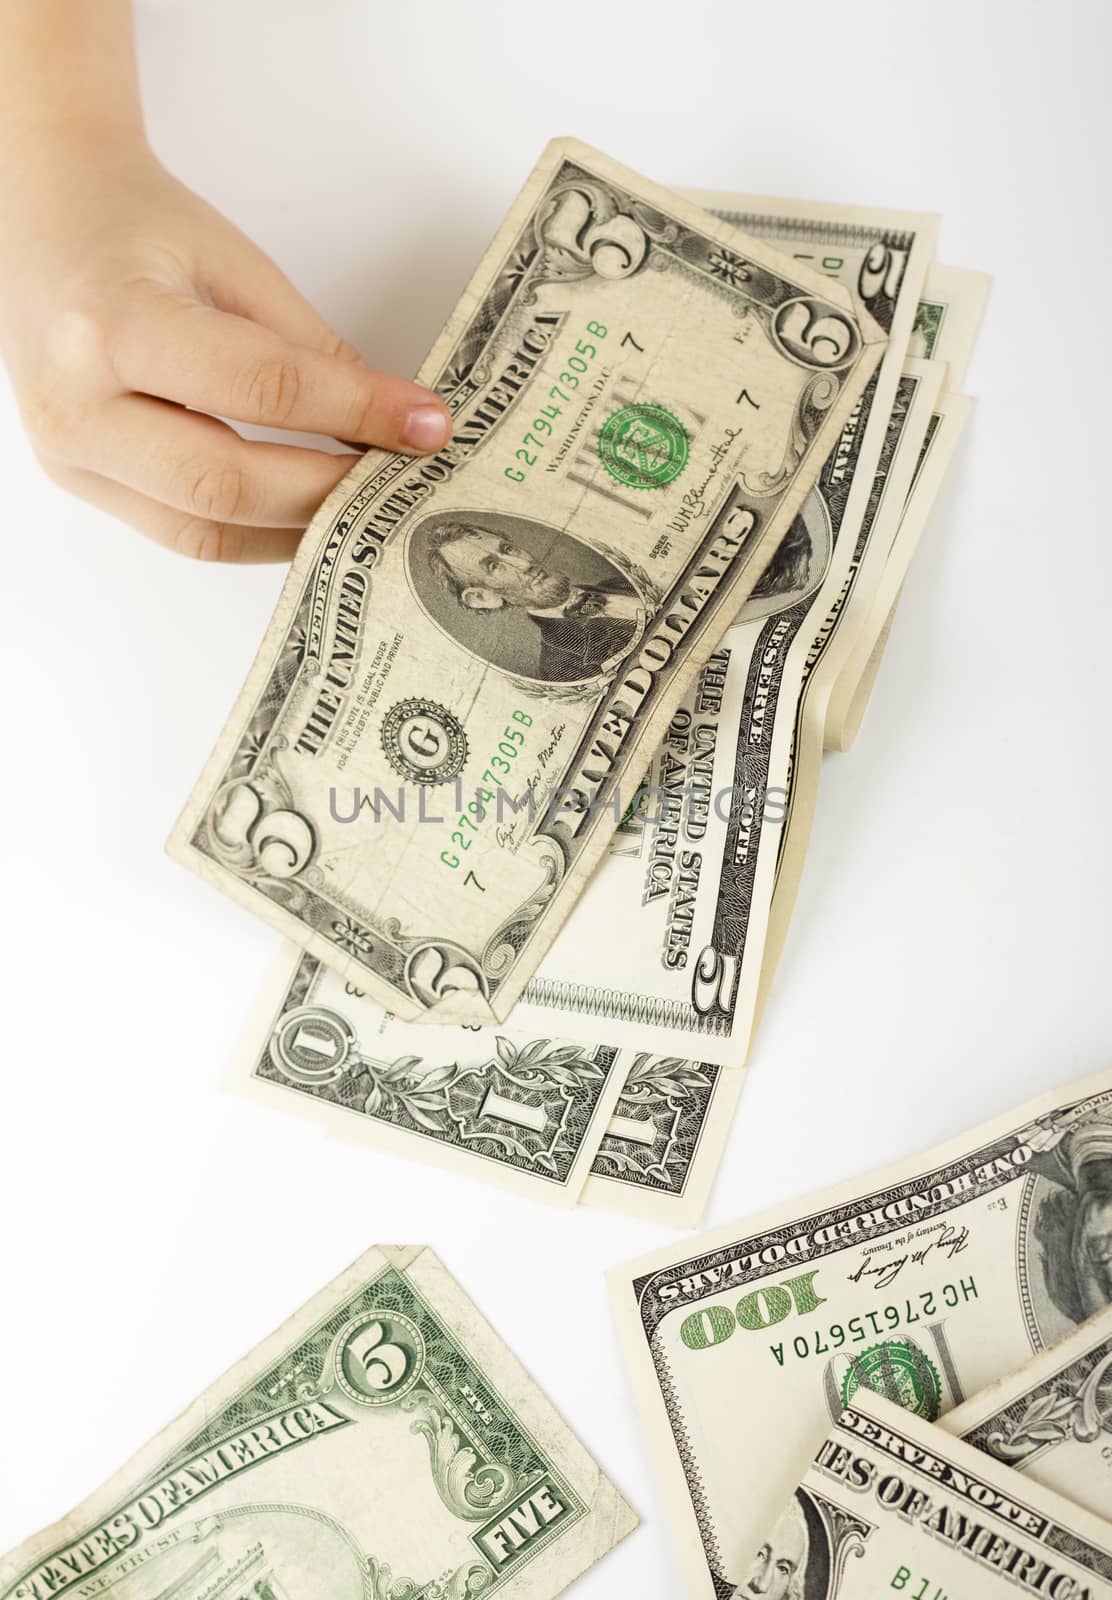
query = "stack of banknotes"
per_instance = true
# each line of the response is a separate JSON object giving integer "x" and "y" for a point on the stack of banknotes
{"x": 526, "y": 766}
{"x": 902, "y": 1386}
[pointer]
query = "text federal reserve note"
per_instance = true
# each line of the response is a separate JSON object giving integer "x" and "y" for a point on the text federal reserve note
{"x": 934, "y": 1277}
{"x": 1051, "y": 1419}
{"x": 383, "y": 1443}
{"x": 891, "y": 1506}
{"x": 473, "y": 652}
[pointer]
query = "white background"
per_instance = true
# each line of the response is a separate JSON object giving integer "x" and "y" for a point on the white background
{"x": 949, "y": 955}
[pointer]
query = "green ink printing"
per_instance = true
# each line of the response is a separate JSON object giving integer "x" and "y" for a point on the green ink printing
{"x": 644, "y": 446}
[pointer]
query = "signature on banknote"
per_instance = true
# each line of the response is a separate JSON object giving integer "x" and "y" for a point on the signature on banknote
{"x": 950, "y": 1242}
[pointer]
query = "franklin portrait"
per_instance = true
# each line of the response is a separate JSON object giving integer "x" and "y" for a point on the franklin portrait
{"x": 1066, "y": 1240}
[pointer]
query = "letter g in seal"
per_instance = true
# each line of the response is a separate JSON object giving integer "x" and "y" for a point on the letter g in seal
{"x": 424, "y": 741}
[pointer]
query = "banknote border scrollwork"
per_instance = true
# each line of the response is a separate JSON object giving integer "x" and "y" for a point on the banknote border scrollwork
{"x": 622, "y": 1005}
{"x": 686, "y": 1090}
{"x": 689, "y": 1462}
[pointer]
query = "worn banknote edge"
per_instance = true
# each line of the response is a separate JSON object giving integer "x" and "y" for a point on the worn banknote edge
{"x": 797, "y": 757}
{"x": 628, "y": 1283}
{"x": 609, "y": 1517}
{"x": 853, "y": 690}
{"x": 951, "y": 310}
{"x": 947, "y": 322}
{"x": 351, "y": 1128}
{"x": 813, "y": 221}
{"x": 596, "y": 833}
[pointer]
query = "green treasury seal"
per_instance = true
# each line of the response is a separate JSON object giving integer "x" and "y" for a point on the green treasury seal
{"x": 424, "y": 741}
{"x": 643, "y": 446}
{"x": 901, "y": 1372}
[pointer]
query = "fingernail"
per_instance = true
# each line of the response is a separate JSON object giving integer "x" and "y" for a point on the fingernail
{"x": 426, "y": 428}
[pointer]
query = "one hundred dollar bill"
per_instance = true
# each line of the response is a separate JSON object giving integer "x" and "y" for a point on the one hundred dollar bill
{"x": 891, "y": 1506}
{"x": 936, "y": 1277}
{"x": 382, "y": 1443}
{"x": 474, "y": 651}
{"x": 528, "y": 1113}
{"x": 690, "y": 873}
{"x": 1051, "y": 1419}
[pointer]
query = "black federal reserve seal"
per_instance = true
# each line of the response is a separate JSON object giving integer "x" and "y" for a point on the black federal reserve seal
{"x": 424, "y": 741}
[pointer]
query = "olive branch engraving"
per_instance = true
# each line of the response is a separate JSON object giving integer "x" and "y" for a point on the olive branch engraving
{"x": 1054, "y": 1417}
{"x": 436, "y": 1097}
{"x": 470, "y": 1579}
{"x": 665, "y": 1081}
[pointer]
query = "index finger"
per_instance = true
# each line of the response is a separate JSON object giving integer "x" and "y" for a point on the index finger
{"x": 180, "y": 349}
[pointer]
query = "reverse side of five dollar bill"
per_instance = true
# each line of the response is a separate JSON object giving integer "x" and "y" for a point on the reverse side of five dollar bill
{"x": 383, "y": 1444}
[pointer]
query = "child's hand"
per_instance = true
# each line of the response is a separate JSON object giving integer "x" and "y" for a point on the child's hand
{"x": 127, "y": 307}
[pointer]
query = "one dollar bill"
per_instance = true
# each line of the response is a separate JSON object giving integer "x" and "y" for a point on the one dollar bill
{"x": 1051, "y": 1419}
{"x": 545, "y": 1116}
{"x": 527, "y": 1112}
{"x": 473, "y": 652}
{"x": 932, "y": 1278}
{"x": 383, "y": 1443}
{"x": 892, "y": 1506}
